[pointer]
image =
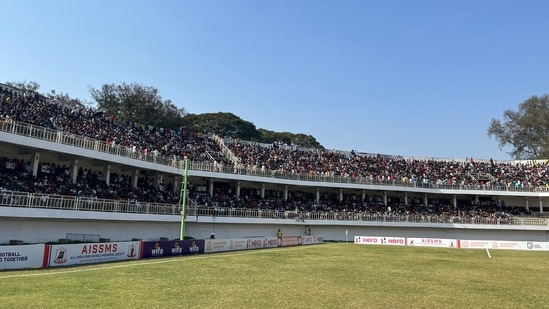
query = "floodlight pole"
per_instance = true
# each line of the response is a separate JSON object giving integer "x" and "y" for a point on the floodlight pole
{"x": 184, "y": 198}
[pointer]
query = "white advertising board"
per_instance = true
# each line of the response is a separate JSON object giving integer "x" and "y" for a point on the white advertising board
{"x": 432, "y": 242}
{"x": 508, "y": 245}
{"x": 25, "y": 256}
{"x": 72, "y": 254}
{"x": 271, "y": 242}
{"x": 220, "y": 245}
{"x": 380, "y": 240}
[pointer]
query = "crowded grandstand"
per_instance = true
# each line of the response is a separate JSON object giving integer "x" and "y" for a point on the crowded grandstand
{"x": 359, "y": 186}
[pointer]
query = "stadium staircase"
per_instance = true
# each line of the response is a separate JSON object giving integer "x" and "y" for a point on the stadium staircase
{"x": 226, "y": 151}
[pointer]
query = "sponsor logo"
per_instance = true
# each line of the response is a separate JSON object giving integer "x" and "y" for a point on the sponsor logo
{"x": 132, "y": 251}
{"x": 99, "y": 248}
{"x": 60, "y": 256}
{"x": 368, "y": 240}
{"x": 194, "y": 248}
{"x": 176, "y": 249}
{"x": 256, "y": 243}
{"x": 157, "y": 250}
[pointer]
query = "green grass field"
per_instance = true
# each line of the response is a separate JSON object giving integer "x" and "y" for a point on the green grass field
{"x": 331, "y": 275}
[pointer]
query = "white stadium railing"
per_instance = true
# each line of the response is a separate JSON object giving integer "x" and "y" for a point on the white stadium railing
{"x": 63, "y": 202}
{"x": 50, "y": 135}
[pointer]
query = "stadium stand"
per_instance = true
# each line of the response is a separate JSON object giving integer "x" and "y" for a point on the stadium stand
{"x": 168, "y": 147}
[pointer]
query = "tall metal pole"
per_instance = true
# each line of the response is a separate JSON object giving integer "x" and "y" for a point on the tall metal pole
{"x": 184, "y": 198}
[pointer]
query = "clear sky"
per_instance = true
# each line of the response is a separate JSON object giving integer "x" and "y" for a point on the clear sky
{"x": 412, "y": 78}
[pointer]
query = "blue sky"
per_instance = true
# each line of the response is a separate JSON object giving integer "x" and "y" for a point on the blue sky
{"x": 411, "y": 78}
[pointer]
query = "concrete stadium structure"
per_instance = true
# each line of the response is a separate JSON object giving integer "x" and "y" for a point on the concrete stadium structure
{"x": 37, "y": 218}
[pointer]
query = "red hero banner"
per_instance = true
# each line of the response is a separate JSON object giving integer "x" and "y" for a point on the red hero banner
{"x": 288, "y": 241}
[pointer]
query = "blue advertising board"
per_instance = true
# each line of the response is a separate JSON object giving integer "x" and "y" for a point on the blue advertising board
{"x": 172, "y": 247}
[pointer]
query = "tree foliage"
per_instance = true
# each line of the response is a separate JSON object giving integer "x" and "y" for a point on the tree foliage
{"x": 137, "y": 103}
{"x": 144, "y": 105}
{"x": 526, "y": 130}
{"x": 230, "y": 125}
{"x": 223, "y": 124}
{"x": 288, "y": 138}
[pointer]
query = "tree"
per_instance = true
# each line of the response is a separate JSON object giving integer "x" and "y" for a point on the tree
{"x": 223, "y": 124}
{"x": 137, "y": 103}
{"x": 525, "y": 130}
{"x": 230, "y": 125}
{"x": 300, "y": 139}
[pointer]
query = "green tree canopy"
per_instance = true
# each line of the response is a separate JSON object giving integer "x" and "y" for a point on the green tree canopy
{"x": 137, "y": 103}
{"x": 300, "y": 139}
{"x": 230, "y": 125}
{"x": 526, "y": 130}
{"x": 223, "y": 124}
{"x": 143, "y": 105}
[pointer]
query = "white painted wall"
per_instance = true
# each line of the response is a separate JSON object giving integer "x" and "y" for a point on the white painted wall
{"x": 40, "y": 230}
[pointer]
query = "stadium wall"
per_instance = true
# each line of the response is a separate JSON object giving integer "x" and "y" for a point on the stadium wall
{"x": 125, "y": 227}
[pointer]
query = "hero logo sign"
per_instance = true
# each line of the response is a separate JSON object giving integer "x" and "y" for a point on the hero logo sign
{"x": 368, "y": 240}
{"x": 393, "y": 241}
{"x": 255, "y": 243}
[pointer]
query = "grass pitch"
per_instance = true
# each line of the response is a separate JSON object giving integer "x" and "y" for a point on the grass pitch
{"x": 331, "y": 275}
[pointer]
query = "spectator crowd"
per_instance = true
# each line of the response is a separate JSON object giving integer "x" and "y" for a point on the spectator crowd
{"x": 37, "y": 110}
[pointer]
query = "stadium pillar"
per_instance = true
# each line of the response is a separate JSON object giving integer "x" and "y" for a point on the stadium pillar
{"x": 285, "y": 193}
{"x": 385, "y": 198}
{"x": 262, "y": 190}
{"x": 107, "y": 174}
{"x": 406, "y": 198}
{"x": 158, "y": 181}
{"x": 176, "y": 184}
{"x": 363, "y": 195}
{"x": 317, "y": 196}
{"x": 526, "y": 203}
{"x": 237, "y": 189}
{"x": 341, "y": 195}
{"x": 425, "y": 200}
{"x": 74, "y": 170}
{"x": 540, "y": 205}
{"x": 454, "y": 201}
{"x": 184, "y": 199}
{"x": 135, "y": 178}
{"x": 35, "y": 161}
{"x": 211, "y": 188}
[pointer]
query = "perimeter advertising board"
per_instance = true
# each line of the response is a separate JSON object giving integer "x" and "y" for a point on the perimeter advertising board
{"x": 288, "y": 241}
{"x": 380, "y": 240}
{"x": 271, "y": 242}
{"x": 72, "y": 254}
{"x": 170, "y": 248}
{"x": 256, "y": 243}
{"x": 509, "y": 245}
{"x": 453, "y": 243}
{"x": 432, "y": 242}
{"x": 25, "y": 256}
{"x": 220, "y": 245}
{"x": 307, "y": 240}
